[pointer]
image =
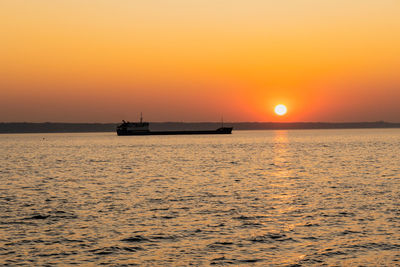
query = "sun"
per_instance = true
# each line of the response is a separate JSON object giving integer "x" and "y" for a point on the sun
{"x": 280, "y": 109}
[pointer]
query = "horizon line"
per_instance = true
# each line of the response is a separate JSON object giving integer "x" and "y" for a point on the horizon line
{"x": 334, "y": 122}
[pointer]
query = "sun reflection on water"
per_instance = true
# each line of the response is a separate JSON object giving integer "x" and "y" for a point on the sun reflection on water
{"x": 281, "y": 153}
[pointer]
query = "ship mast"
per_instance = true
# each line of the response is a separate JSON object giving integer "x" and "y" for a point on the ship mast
{"x": 141, "y": 117}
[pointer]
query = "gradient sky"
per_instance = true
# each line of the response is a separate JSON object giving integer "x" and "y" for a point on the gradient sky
{"x": 189, "y": 60}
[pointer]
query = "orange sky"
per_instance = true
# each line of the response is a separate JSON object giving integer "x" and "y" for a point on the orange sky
{"x": 104, "y": 61}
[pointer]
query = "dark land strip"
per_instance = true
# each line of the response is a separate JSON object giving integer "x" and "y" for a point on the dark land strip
{"x": 55, "y": 127}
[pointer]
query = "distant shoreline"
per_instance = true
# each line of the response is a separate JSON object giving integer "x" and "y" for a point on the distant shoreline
{"x": 54, "y": 127}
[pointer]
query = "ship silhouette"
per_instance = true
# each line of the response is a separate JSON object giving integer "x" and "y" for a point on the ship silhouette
{"x": 143, "y": 128}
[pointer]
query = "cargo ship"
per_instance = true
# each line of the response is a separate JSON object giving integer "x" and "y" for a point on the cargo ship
{"x": 143, "y": 128}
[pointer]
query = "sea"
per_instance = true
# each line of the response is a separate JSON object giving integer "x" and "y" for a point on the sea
{"x": 253, "y": 198}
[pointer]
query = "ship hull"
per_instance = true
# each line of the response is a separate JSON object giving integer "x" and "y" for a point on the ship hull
{"x": 225, "y": 130}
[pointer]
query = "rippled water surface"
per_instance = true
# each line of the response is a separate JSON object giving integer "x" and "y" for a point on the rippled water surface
{"x": 316, "y": 197}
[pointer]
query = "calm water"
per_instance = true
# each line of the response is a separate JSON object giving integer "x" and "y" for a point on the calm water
{"x": 315, "y": 197}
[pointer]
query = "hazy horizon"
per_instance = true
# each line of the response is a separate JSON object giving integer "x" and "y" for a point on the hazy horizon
{"x": 288, "y": 122}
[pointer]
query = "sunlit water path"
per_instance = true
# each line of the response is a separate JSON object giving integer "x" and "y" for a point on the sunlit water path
{"x": 316, "y": 197}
